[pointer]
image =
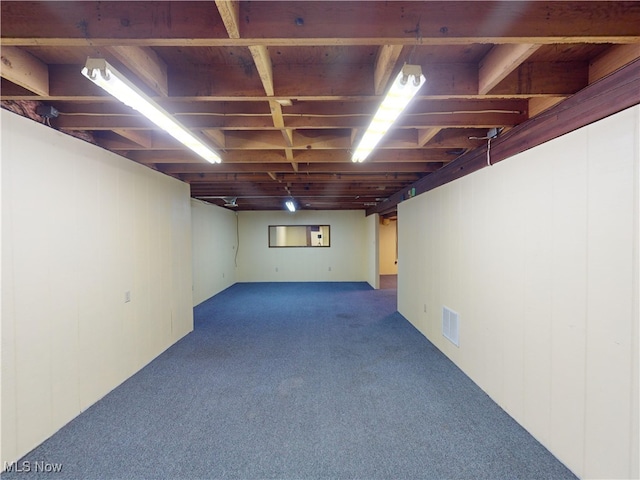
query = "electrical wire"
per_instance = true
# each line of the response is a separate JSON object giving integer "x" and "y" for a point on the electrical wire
{"x": 488, "y": 138}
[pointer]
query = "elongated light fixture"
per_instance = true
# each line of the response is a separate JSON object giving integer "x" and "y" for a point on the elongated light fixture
{"x": 403, "y": 89}
{"x": 291, "y": 206}
{"x": 100, "y": 72}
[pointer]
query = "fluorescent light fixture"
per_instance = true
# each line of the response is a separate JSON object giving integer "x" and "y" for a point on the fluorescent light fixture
{"x": 290, "y": 205}
{"x": 100, "y": 72}
{"x": 404, "y": 88}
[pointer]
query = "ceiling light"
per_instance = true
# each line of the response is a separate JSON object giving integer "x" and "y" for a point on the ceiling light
{"x": 291, "y": 205}
{"x": 105, "y": 76}
{"x": 403, "y": 89}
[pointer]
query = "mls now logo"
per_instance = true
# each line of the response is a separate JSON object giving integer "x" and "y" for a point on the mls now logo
{"x": 27, "y": 467}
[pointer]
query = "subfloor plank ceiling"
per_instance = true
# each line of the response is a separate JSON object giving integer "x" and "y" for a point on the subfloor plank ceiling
{"x": 284, "y": 90}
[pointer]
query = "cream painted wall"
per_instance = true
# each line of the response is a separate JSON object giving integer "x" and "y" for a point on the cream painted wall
{"x": 344, "y": 260}
{"x": 539, "y": 256}
{"x": 388, "y": 265}
{"x": 373, "y": 260}
{"x": 80, "y": 227}
{"x": 214, "y": 243}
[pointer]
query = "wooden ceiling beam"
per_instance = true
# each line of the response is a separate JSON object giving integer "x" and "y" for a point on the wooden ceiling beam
{"x": 308, "y": 156}
{"x": 231, "y": 168}
{"x": 262, "y": 61}
{"x": 612, "y": 59}
{"x": 215, "y": 42}
{"x": 337, "y": 195}
{"x": 538, "y": 105}
{"x": 379, "y": 167}
{"x": 385, "y": 65}
{"x": 146, "y": 65}
{"x": 426, "y": 134}
{"x": 283, "y": 167}
{"x": 446, "y": 81}
{"x": 360, "y": 19}
{"x": 302, "y": 140}
{"x": 268, "y": 23}
{"x": 500, "y": 62}
{"x": 216, "y": 136}
{"x": 229, "y": 11}
{"x": 470, "y": 120}
{"x": 139, "y": 137}
{"x": 361, "y": 106}
{"x": 545, "y": 78}
{"x": 22, "y": 68}
{"x": 415, "y": 120}
{"x": 304, "y": 178}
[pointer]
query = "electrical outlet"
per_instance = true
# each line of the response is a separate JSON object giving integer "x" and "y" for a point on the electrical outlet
{"x": 127, "y": 296}
{"x": 276, "y": 269}
{"x": 329, "y": 268}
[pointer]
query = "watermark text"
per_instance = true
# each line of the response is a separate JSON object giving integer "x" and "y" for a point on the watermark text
{"x": 27, "y": 466}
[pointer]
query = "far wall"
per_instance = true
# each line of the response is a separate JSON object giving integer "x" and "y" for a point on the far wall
{"x": 345, "y": 260}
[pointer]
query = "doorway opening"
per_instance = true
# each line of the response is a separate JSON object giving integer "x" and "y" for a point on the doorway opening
{"x": 388, "y": 252}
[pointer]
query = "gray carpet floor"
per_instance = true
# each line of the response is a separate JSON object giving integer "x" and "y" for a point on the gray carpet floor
{"x": 298, "y": 381}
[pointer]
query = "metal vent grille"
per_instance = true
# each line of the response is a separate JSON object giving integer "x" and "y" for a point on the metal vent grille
{"x": 450, "y": 325}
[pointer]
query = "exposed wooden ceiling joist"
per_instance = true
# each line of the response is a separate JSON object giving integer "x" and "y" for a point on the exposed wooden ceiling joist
{"x": 283, "y": 89}
{"x": 361, "y": 23}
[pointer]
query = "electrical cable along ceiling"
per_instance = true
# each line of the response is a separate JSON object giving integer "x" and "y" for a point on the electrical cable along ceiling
{"x": 282, "y": 93}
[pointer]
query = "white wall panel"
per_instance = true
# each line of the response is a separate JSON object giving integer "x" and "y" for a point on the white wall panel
{"x": 214, "y": 238}
{"x": 539, "y": 256}
{"x": 610, "y": 259}
{"x": 344, "y": 260}
{"x": 8, "y": 403}
{"x": 82, "y": 226}
{"x": 374, "y": 247}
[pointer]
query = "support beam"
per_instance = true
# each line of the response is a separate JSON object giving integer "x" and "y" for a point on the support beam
{"x": 540, "y": 104}
{"x": 415, "y": 156}
{"x": 24, "y": 69}
{"x": 426, "y": 134}
{"x": 206, "y": 122}
{"x": 193, "y": 24}
{"x": 301, "y": 178}
{"x": 230, "y": 13}
{"x": 310, "y": 83}
{"x": 385, "y": 64}
{"x": 262, "y": 60}
{"x": 284, "y": 167}
{"x": 288, "y": 153}
{"x": 216, "y": 136}
{"x": 146, "y": 65}
{"x": 500, "y": 62}
{"x": 287, "y": 133}
{"x": 355, "y": 135}
{"x": 614, "y": 58}
{"x": 139, "y": 137}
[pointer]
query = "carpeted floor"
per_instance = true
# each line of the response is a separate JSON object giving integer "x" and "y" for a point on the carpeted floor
{"x": 389, "y": 282}
{"x": 298, "y": 381}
